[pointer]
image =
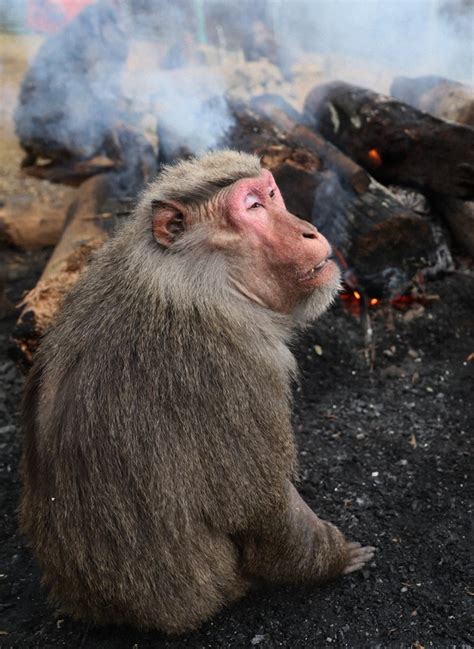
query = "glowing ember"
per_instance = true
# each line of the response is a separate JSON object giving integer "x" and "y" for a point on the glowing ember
{"x": 374, "y": 158}
{"x": 353, "y": 300}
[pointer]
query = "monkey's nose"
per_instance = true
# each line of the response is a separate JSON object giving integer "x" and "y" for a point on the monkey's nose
{"x": 310, "y": 232}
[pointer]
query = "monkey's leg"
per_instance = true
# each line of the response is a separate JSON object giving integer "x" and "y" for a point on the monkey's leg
{"x": 296, "y": 545}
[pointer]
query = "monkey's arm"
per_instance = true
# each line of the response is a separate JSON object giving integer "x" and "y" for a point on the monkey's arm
{"x": 296, "y": 544}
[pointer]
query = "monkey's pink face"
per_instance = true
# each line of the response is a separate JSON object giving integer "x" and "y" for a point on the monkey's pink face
{"x": 278, "y": 260}
{"x": 286, "y": 257}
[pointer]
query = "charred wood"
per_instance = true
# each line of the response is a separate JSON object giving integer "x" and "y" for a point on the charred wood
{"x": 70, "y": 97}
{"x": 459, "y": 215}
{"x": 90, "y": 219}
{"x": 290, "y": 121}
{"x": 453, "y": 101}
{"x": 395, "y": 142}
{"x": 71, "y": 172}
{"x": 381, "y": 244}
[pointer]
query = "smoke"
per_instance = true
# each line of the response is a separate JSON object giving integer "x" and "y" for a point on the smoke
{"x": 190, "y": 54}
{"x": 407, "y": 37}
{"x": 191, "y": 111}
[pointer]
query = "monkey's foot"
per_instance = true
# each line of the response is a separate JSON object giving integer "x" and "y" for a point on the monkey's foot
{"x": 357, "y": 557}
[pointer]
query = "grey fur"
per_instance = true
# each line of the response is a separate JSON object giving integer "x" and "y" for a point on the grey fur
{"x": 159, "y": 452}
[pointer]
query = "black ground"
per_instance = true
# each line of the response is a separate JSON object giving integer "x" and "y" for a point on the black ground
{"x": 385, "y": 455}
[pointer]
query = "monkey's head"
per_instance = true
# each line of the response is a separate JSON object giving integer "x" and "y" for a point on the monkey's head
{"x": 224, "y": 209}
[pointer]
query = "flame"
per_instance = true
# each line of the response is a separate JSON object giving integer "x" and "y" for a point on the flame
{"x": 357, "y": 295}
{"x": 373, "y": 301}
{"x": 374, "y": 157}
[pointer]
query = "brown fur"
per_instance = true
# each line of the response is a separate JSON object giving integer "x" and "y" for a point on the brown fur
{"x": 159, "y": 452}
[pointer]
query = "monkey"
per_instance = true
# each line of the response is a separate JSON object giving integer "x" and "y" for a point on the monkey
{"x": 159, "y": 460}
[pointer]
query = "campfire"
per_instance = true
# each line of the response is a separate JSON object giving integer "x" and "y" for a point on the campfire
{"x": 390, "y": 185}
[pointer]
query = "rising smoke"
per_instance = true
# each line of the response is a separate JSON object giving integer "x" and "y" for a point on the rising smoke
{"x": 347, "y": 38}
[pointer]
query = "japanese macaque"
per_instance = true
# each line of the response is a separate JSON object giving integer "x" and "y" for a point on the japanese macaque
{"x": 159, "y": 455}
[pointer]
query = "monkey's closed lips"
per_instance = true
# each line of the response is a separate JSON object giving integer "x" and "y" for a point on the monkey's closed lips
{"x": 316, "y": 270}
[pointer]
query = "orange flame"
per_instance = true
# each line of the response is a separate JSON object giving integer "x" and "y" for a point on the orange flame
{"x": 374, "y": 158}
{"x": 357, "y": 295}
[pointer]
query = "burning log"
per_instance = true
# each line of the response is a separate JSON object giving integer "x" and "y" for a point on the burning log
{"x": 69, "y": 98}
{"x": 381, "y": 243}
{"x": 397, "y": 143}
{"x": 459, "y": 215}
{"x": 32, "y": 227}
{"x": 289, "y": 120}
{"x": 71, "y": 172}
{"x": 438, "y": 96}
{"x": 453, "y": 101}
{"x": 89, "y": 221}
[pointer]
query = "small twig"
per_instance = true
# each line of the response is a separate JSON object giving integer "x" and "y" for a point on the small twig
{"x": 366, "y": 322}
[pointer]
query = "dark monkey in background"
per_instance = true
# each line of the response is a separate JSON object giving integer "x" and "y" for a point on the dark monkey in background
{"x": 159, "y": 456}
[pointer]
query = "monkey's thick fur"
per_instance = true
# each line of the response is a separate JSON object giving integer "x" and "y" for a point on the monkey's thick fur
{"x": 158, "y": 448}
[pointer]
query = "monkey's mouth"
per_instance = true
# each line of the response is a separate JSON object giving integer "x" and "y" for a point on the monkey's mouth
{"x": 316, "y": 270}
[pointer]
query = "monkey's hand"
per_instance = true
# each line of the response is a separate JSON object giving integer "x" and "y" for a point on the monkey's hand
{"x": 357, "y": 556}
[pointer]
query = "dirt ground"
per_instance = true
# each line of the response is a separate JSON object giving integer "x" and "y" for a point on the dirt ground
{"x": 384, "y": 454}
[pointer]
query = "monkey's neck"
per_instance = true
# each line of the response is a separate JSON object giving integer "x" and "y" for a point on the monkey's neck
{"x": 240, "y": 288}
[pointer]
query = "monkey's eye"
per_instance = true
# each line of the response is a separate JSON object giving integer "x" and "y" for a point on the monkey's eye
{"x": 252, "y": 202}
{"x": 272, "y": 193}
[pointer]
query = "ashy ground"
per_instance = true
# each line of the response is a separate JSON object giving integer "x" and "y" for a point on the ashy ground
{"x": 384, "y": 454}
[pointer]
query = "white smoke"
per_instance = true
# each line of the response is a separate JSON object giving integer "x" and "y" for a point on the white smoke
{"x": 348, "y": 39}
{"x": 408, "y": 37}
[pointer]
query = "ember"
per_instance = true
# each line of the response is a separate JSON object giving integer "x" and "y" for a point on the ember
{"x": 374, "y": 158}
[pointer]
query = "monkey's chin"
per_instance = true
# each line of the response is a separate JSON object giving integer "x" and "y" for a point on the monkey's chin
{"x": 321, "y": 297}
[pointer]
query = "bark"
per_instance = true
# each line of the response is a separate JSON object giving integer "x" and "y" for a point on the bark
{"x": 453, "y": 101}
{"x": 381, "y": 243}
{"x": 71, "y": 172}
{"x": 32, "y": 227}
{"x": 85, "y": 232}
{"x": 398, "y": 144}
{"x": 459, "y": 215}
{"x": 90, "y": 219}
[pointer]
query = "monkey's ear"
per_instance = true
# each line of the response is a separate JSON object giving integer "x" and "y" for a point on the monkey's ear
{"x": 168, "y": 222}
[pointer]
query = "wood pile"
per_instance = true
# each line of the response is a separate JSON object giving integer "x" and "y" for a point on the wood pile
{"x": 89, "y": 221}
{"x": 452, "y": 101}
{"x": 398, "y": 143}
{"x": 349, "y": 163}
{"x": 380, "y": 242}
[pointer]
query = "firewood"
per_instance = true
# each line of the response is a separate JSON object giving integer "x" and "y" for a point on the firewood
{"x": 71, "y": 172}
{"x": 459, "y": 215}
{"x": 453, "y": 101}
{"x": 89, "y": 221}
{"x": 289, "y": 120}
{"x": 31, "y": 227}
{"x": 438, "y": 96}
{"x": 398, "y": 144}
{"x": 381, "y": 243}
{"x": 84, "y": 233}
{"x": 70, "y": 98}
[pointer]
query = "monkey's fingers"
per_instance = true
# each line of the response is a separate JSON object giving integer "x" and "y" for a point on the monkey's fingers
{"x": 358, "y": 557}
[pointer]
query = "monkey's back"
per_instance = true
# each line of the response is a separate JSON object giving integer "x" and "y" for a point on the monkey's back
{"x": 155, "y": 435}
